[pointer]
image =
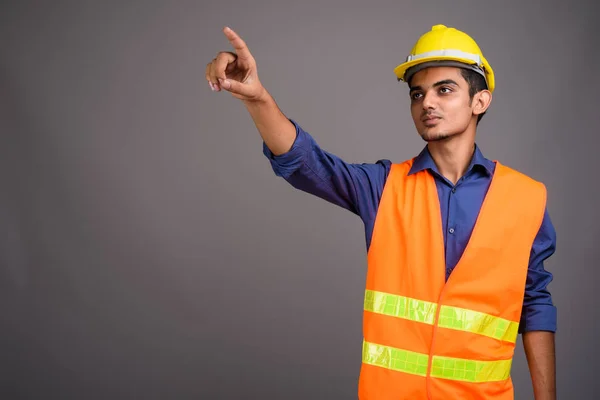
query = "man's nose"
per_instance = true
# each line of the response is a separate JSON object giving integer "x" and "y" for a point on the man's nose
{"x": 428, "y": 101}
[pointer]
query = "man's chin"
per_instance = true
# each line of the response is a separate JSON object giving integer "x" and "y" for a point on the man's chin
{"x": 434, "y": 136}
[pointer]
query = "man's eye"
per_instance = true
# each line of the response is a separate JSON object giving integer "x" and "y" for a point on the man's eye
{"x": 415, "y": 96}
{"x": 445, "y": 90}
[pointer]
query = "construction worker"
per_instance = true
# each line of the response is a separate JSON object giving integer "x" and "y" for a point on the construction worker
{"x": 456, "y": 242}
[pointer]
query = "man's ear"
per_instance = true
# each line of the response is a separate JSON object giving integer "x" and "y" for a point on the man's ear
{"x": 481, "y": 102}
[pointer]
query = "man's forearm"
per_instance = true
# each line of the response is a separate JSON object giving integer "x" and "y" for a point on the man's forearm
{"x": 539, "y": 350}
{"x": 274, "y": 127}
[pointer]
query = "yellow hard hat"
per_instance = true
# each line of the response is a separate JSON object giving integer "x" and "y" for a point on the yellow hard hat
{"x": 443, "y": 46}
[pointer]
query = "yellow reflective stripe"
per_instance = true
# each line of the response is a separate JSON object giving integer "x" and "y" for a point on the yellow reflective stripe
{"x": 395, "y": 359}
{"x": 400, "y": 306}
{"x": 450, "y": 317}
{"x": 470, "y": 370}
{"x": 479, "y": 323}
{"x": 442, "y": 367}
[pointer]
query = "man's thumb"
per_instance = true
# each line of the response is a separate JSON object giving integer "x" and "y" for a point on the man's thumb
{"x": 232, "y": 86}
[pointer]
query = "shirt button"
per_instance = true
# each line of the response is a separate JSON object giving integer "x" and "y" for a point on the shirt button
{"x": 451, "y": 230}
{"x": 453, "y": 190}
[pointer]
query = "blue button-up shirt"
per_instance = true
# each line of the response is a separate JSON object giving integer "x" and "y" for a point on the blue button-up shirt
{"x": 358, "y": 188}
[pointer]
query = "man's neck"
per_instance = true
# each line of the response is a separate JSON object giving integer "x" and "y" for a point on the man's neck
{"x": 452, "y": 156}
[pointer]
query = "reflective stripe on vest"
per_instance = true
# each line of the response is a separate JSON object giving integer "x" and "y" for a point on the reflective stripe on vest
{"x": 450, "y": 317}
{"x": 442, "y": 367}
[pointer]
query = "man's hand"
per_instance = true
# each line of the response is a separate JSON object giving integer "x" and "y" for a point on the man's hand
{"x": 235, "y": 72}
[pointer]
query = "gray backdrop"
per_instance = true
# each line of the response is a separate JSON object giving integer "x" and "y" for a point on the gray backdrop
{"x": 148, "y": 251}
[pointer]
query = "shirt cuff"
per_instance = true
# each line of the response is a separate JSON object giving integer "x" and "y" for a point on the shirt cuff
{"x": 286, "y": 164}
{"x": 538, "y": 317}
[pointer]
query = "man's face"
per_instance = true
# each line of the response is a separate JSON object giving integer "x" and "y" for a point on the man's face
{"x": 440, "y": 103}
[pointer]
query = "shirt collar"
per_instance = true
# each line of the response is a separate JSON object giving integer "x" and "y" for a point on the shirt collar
{"x": 424, "y": 161}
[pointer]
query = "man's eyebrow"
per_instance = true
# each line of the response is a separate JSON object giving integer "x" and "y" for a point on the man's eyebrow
{"x": 440, "y": 83}
{"x": 445, "y": 82}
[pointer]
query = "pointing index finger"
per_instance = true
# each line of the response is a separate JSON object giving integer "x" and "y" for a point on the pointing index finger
{"x": 237, "y": 43}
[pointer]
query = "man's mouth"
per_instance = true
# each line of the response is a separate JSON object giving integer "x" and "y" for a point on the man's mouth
{"x": 431, "y": 119}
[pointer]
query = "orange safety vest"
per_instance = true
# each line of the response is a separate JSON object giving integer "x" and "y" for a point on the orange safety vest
{"x": 425, "y": 338}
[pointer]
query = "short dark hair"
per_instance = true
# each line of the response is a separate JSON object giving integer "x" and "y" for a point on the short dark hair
{"x": 476, "y": 83}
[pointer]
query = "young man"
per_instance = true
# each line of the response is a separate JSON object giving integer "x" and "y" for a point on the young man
{"x": 456, "y": 242}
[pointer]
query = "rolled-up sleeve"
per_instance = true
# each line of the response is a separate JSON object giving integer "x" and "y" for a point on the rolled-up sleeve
{"x": 307, "y": 167}
{"x": 539, "y": 312}
{"x": 286, "y": 164}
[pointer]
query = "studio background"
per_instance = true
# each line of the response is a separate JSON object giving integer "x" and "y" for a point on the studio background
{"x": 148, "y": 251}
